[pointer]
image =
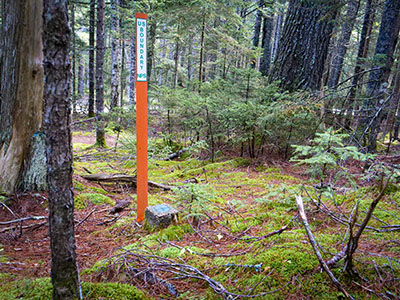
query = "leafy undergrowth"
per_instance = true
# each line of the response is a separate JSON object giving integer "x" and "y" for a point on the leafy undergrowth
{"x": 238, "y": 226}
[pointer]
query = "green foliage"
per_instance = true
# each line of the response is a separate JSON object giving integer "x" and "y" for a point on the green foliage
{"x": 39, "y": 289}
{"x": 195, "y": 199}
{"x": 83, "y": 199}
{"x": 327, "y": 152}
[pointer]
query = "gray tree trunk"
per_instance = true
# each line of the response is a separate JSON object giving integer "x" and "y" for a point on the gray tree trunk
{"x": 21, "y": 89}
{"x": 265, "y": 62}
{"x": 132, "y": 79}
{"x": 303, "y": 47}
{"x": 277, "y": 34}
{"x": 343, "y": 43}
{"x": 257, "y": 28}
{"x": 100, "y": 49}
{"x": 81, "y": 81}
{"x": 115, "y": 53}
{"x": 57, "y": 116}
{"x": 383, "y": 61}
{"x": 92, "y": 20}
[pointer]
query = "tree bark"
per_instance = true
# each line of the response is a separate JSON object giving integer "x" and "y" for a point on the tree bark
{"x": 100, "y": 49}
{"x": 151, "y": 43}
{"x": 303, "y": 47}
{"x": 132, "y": 80}
{"x": 265, "y": 63}
{"x": 369, "y": 17}
{"x": 343, "y": 43}
{"x": 57, "y": 116}
{"x": 383, "y": 60}
{"x": 256, "y": 34}
{"x": 91, "y": 57}
{"x": 115, "y": 52}
{"x": 81, "y": 81}
{"x": 21, "y": 88}
{"x": 277, "y": 34}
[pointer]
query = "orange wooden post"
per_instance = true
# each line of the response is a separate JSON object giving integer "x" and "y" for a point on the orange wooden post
{"x": 141, "y": 114}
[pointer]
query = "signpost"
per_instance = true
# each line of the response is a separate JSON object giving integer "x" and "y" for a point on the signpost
{"x": 141, "y": 114}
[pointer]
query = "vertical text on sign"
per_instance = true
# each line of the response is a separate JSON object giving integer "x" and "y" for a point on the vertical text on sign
{"x": 141, "y": 49}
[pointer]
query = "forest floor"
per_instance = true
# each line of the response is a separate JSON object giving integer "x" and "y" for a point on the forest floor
{"x": 238, "y": 234}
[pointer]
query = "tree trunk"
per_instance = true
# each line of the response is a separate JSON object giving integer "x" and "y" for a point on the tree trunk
{"x": 266, "y": 45}
{"x": 203, "y": 30}
{"x": 257, "y": 28}
{"x": 150, "y": 51}
{"x": 132, "y": 79}
{"x": 176, "y": 60}
{"x": 343, "y": 43}
{"x": 189, "y": 58}
{"x": 81, "y": 81}
{"x": 383, "y": 61}
{"x": 115, "y": 53}
{"x": 73, "y": 48}
{"x": 21, "y": 88}
{"x": 303, "y": 47}
{"x": 57, "y": 113}
{"x": 277, "y": 34}
{"x": 100, "y": 49}
{"x": 369, "y": 17}
{"x": 91, "y": 57}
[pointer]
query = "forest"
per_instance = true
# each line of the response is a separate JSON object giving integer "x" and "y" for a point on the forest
{"x": 271, "y": 168}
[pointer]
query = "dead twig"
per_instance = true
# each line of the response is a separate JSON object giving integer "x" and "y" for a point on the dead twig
{"x": 24, "y": 219}
{"x": 311, "y": 238}
{"x": 85, "y": 218}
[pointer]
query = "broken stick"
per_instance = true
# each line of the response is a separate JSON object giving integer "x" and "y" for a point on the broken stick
{"x": 313, "y": 242}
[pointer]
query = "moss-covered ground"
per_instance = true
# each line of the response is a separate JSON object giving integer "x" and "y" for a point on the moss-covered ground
{"x": 227, "y": 209}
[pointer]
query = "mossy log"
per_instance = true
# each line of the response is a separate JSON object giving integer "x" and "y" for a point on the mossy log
{"x": 104, "y": 177}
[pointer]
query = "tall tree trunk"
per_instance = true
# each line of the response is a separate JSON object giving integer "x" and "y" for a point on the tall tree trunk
{"x": 150, "y": 51}
{"x": 266, "y": 45}
{"x": 203, "y": 30}
{"x": 92, "y": 20}
{"x": 73, "y": 48}
{"x": 189, "y": 58}
{"x": 277, "y": 34}
{"x": 100, "y": 49}
{"x": 115, "y": 53}
{"x": 81, "y": 81}
{"x": 256, "y": 34}
{"x": 343, "y": 43}
{"x": 176, "y": 60}
{"x": 369, "y": 17}
{"x": 383, "y": 60}
{"x": 57, "y": 113}
{"x": 132, "y": 79}
{"x": 21, "y": 90}
{"x": 303, "y": 47}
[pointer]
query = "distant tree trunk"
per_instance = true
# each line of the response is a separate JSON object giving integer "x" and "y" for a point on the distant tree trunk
{"x": 176, "y": 60}
{"x": 57, "y": 113}
{"x": 265, "y": 63}
{"x": 21, "y": 96}
{"x": 383, "y": 61}
{"x": 203, "y": 29}
{"x": 369, "y": 17}
{"x": 115, "y": 53}
{"x": 73, "y": 48}
{"x": 343, "y": 41}
{"x": 100, "y": 135}
{"x": 92, "y": 21}
{"x": 256, "y": 34}
{"x": 277, "y": 34}
{"x": 122, "y": 77}
{"x": 150, "y": 52}
{"x": 132, "y": 79}
{"x": 303, "y": 47}
{"x": 81, "y": 81}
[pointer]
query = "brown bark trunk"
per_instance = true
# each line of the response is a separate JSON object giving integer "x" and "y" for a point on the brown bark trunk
{"x": 91, "y": 57}
{"x": 21, "y": 88}
{"x": 100, "y": 134}
{"x": 57, "y": 115}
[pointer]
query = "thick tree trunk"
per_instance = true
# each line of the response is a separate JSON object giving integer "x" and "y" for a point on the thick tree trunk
{"x": 256, "y": 34}
{"x": 115, "y": 53}
{"x": 92, "y": 20}
{"x": 100, "y": 49}
{"x": 266, "y": 45}
{"x": 57, "y": 114}
{"x": 369, "y": 17}
{"x": 21, "y": 88}
{"x": 277, "y": 34}
{"x": 341, "y": 48}
{"x": 303, "y": 47}
{"x": 383, "y": 60}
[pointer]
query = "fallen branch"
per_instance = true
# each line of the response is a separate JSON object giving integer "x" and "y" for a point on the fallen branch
{"x": 104, "y": 177}
{"x": 23, "y": 227}
{"x": 313, "y": 242}
{"x": 24, "y": 219}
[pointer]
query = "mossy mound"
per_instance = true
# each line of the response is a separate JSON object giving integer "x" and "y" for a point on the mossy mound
{"x": 40, "y": 289}
{"x": 83, "y": 199}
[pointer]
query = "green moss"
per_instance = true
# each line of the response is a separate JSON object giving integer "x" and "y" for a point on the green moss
{"x": 40, "y": 289}
{"x": 98, "y": 190}
{"x": 174, "y": 232}
{"x": 78, "y": 186}
{"x": 82, "y": 200}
